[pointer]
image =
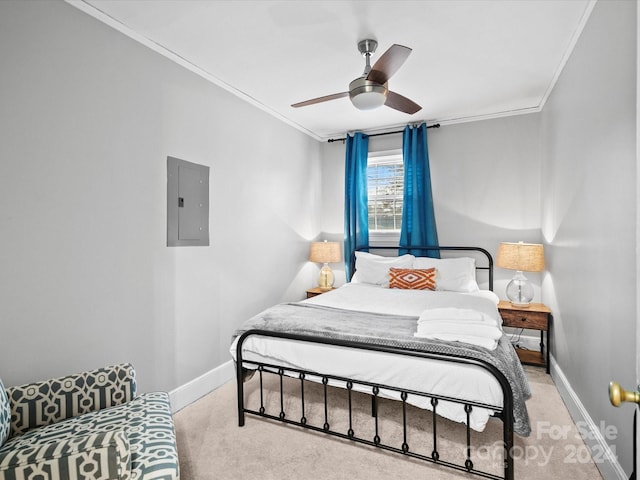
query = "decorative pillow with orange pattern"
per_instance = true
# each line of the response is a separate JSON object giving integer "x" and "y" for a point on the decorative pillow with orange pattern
{"x": 412, "y": 278}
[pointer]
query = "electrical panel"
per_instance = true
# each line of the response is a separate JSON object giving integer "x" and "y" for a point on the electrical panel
{"x": 187, "y": 203}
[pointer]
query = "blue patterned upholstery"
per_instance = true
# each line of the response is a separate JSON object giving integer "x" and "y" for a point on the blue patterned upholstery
{"x": 117, "y": 438}
{"x": 42, "y": 403}
{"x": 97, "y": 456}
{"x": 5, "y": 414}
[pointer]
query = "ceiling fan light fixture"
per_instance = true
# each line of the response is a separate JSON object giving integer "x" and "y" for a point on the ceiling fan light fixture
{"x": 371, "y": 89}
{"x": 367, "y": 95}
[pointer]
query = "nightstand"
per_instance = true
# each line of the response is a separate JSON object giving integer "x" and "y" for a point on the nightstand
{"x": 536, "y": 316}
{"x": 312, "y": 292}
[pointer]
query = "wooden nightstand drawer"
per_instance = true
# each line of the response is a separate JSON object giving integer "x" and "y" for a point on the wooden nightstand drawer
{"x": 522, "y": 319}
{"x": 312, "y": 292}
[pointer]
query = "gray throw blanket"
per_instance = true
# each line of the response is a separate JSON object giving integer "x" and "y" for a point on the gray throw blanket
{"x": 392, "y": 331}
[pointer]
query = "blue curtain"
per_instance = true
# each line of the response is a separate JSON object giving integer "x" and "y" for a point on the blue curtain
{"x": 356, "y": 216}
{"x": 418, "y": 219}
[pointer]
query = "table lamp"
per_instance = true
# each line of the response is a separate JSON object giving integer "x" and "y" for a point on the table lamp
{"x": 522, "y": 257}
{"x": 326, "y": 253}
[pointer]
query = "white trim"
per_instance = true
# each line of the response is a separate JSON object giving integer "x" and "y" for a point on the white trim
{"x": 608, "y": 462}
{"x": 567, "y": 54}
{"x": 442, "y": 122}
{"x": 147, "y": 42}
{"x": 129, "y": 32}
{"x": 488, "y": 116}
{"x": 198, "y": 387}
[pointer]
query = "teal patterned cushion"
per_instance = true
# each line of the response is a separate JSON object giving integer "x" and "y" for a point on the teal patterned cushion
{"x": 43, "y": 403}
{"x": 5, "y": 414}
{"x": 152, "y": 437}
{"x": 145, "y": 424}
{"x": 100, "y": 456}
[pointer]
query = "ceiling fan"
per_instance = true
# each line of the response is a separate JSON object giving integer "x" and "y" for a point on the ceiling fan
{"x": 371, "y": 90}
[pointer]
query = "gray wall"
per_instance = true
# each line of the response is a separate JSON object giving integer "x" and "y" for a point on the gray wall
{"x": 589, "y": 215}
{"x": 88, "y": 119}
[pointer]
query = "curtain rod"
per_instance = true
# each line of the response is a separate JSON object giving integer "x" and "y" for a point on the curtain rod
{"x": 331, "y": 140}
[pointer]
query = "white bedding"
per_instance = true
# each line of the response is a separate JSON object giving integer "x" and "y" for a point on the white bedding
{"x": 442, "y": 378}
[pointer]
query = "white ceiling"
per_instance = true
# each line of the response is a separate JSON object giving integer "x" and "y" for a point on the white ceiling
{"x": 471, "y": 59}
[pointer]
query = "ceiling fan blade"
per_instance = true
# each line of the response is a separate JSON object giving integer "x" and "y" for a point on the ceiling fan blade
{"x": 403, "y": 104}
{"x": 388, "y": 63}
{"x": 326, "y": 98}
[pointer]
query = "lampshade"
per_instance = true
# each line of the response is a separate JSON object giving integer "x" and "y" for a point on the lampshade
{"x": 324, "y": 252}
{"x": 526, "y": 257}
{"x": 522, "y": 257}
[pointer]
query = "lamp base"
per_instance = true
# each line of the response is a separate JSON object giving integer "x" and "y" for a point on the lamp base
{"x": 326, "y": 278}
{"x": 520, "y": 305}
{"x": 519, "y": 291}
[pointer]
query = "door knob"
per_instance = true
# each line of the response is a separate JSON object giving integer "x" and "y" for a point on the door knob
{"x": 617, "y": 395}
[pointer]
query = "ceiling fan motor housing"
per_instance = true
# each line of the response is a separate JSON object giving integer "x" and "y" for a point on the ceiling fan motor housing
{"x": 367, "y": 46}
{"x": 367, "y": 95}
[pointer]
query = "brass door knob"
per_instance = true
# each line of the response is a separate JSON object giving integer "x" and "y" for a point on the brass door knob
{"x": 617, "y": 395}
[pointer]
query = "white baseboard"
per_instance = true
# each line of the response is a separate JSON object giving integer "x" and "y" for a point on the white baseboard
{"x": 606, "y": 462}
{"x": 198, "y": 387}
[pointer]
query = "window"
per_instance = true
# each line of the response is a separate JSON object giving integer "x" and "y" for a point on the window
{"x": 385, "y": 188}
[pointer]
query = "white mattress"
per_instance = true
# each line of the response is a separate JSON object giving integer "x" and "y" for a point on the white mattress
{"x": 441, "y": 378}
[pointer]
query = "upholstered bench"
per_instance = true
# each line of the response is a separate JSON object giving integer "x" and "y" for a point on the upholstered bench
{"x": 90, "y": 425}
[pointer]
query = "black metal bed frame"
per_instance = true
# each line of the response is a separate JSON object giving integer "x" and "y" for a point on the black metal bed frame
{"x": 504, "y": 412}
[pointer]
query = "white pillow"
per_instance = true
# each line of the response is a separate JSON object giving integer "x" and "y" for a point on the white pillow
{"x": 374, "y": 269}
{"x": 454, "y": 274}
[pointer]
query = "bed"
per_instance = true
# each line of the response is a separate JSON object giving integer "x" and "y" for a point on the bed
{"x": 412, "y": 329}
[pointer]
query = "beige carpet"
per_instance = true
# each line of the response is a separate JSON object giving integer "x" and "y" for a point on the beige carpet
{"x": 212, "y": 446}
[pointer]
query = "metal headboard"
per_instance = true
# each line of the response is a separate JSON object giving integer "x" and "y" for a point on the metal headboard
{"x": 488, "y": 267}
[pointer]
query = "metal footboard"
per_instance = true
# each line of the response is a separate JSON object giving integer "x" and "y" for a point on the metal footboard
{"x": 504, "y": 412}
